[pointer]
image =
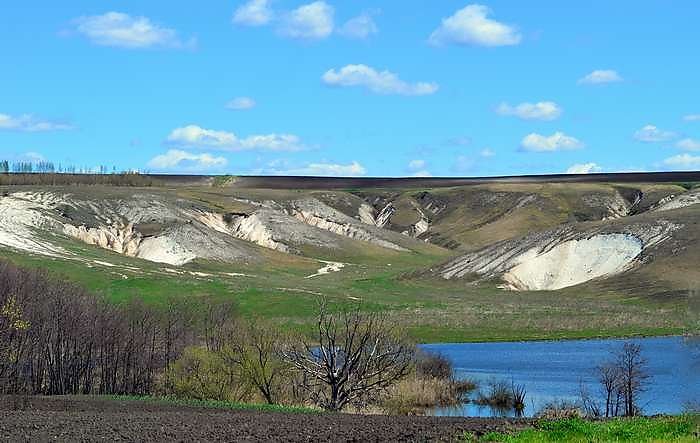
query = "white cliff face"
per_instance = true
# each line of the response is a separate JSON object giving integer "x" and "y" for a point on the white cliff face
{"x": 562, "y": 257}
{"x": 252, "y": 229}
{"x": 29, "y": 220}
{"x": 164, "y": 250}
{"x": 384, "y": 216}
{"x": 681, "y": 201}
{"x": 366, "y": 214}
{"x": 574, "y": 262}
{"x": 20, "y": 219}
{"x": 121, "y": 239}
{"x": 319, "y": 215}
{"x": 346, "y": 230}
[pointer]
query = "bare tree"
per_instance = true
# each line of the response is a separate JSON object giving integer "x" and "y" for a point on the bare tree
{"x": 633, "y": 376}
{"x": 355, "y": 354}
{"x": 622, "y": 379}
{"x": 609, "y": 379}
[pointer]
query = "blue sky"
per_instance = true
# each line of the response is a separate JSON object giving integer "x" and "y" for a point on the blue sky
{"x": 375, "y": 88}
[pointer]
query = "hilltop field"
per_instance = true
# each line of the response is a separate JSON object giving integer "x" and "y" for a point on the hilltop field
{"x": 452, "y": 260}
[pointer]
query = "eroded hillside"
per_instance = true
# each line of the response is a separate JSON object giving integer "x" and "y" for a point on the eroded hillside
{"x": 450, "y": 261}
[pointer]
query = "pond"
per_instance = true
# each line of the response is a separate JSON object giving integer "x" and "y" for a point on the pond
{"x": 556, "y": 370}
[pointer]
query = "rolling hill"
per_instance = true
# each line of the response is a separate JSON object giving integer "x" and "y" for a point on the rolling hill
{"x": 452, "y": 259}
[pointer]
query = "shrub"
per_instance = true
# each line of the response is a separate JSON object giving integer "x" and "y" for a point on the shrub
{"x": 557, "y": 410}
{"x": 434, "y": 366}
{"x": 499, "y": 395}
{"x": 203, "y": 375}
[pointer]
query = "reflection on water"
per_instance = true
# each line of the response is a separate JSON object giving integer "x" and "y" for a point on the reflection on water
{"x": 555, "y": 371}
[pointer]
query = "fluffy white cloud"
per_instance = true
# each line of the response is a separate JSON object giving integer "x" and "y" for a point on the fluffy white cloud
{"x": 692, "y": 118}
{"x": 422, "y": 173}
{"x": 30, "y": 123}
{"x": 600, "y": 76}
{"x": 195, "y": 136}
{"x": 359, "y": 27}
{"x": 384, "y": 82}
{"x": 353, "y": 169}
{"x": 471, "y": 26}
{"x": 652, "y": 134}
{"x": 313, "y": 21}
{"x": 584, "y": 168}
{"x": 531, "y": 111}
{"x": 253, "y": 13}
{"x": 124, "y": 31}
{"x": 177, "y": 160}
{"x": 683, "y": 161}
{"x": 241, "y": 103}
{"x": 555, "y": 142}
{"x": 689, "y": 144}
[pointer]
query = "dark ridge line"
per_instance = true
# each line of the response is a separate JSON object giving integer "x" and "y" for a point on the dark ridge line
{"x": 307, "y": 182}
{"x": 315, "y": 182}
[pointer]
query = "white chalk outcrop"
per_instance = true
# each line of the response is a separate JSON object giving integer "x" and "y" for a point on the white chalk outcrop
{"x": 319, "y": 215}
{"x": 681, "y": 201}
{"x": 562, "y": 257}
{"x": 21, "y": 222}
{"x": 30, "y": 221}
{"x": 574, "y": 262}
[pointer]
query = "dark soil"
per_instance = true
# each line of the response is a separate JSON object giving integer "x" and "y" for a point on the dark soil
{"x": 77, "y": 419}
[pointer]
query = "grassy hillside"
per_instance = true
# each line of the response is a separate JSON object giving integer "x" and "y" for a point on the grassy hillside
{"x": 653, "y": 298}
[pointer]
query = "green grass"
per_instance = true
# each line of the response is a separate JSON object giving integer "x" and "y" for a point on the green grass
{"x": 427, "y": 309}
{"x": 679, "y": 429}
{"x": 214, "y": 404}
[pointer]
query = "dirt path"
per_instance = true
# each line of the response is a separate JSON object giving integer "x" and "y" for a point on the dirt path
{"x": 96, "y": 419}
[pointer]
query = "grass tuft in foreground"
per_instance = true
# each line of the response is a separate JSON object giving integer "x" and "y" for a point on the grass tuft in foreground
{"x": 215, "y": 404}
{"x": 681, "y": 429}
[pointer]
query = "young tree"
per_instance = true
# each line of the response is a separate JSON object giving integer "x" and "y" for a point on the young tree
{"x": 255, "y": 351}
{"x": 354, "y": 355}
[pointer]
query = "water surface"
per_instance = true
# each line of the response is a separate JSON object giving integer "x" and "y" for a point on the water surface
{"x": 555, "y": 370}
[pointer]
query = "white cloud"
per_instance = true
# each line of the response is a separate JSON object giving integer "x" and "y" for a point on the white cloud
{"x": 416, "y": 165}
{"x": 326, "y": 169}
{"x": 313, "y": 21}
{"x": 195, "y": 136}
{"x": 241, "y": 103}
{"x": 384, "y": 82}
{"x": 178, "y": 160}
{"x": 422, "y": 173}
{"x": 692, "y": 118}
{"x": 471, "y": 26}
{"x": 531, "y": 111}
{"x": 359, "y": 27}
{"x": 124, "y": 31}
{"x": 555, "y": 142}
{"x": 584, "y": 168}
{"x": 30, "y": 123}
{"x": 652, "y": 134}
{"x": 253, "y": 13}
{"x": 683, "y": 161}
{"x": 689, "y": 144}
{"x": 600, "y": 76}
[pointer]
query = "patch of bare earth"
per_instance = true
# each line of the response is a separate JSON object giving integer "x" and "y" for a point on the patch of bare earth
{"x": 72, "y": 419}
